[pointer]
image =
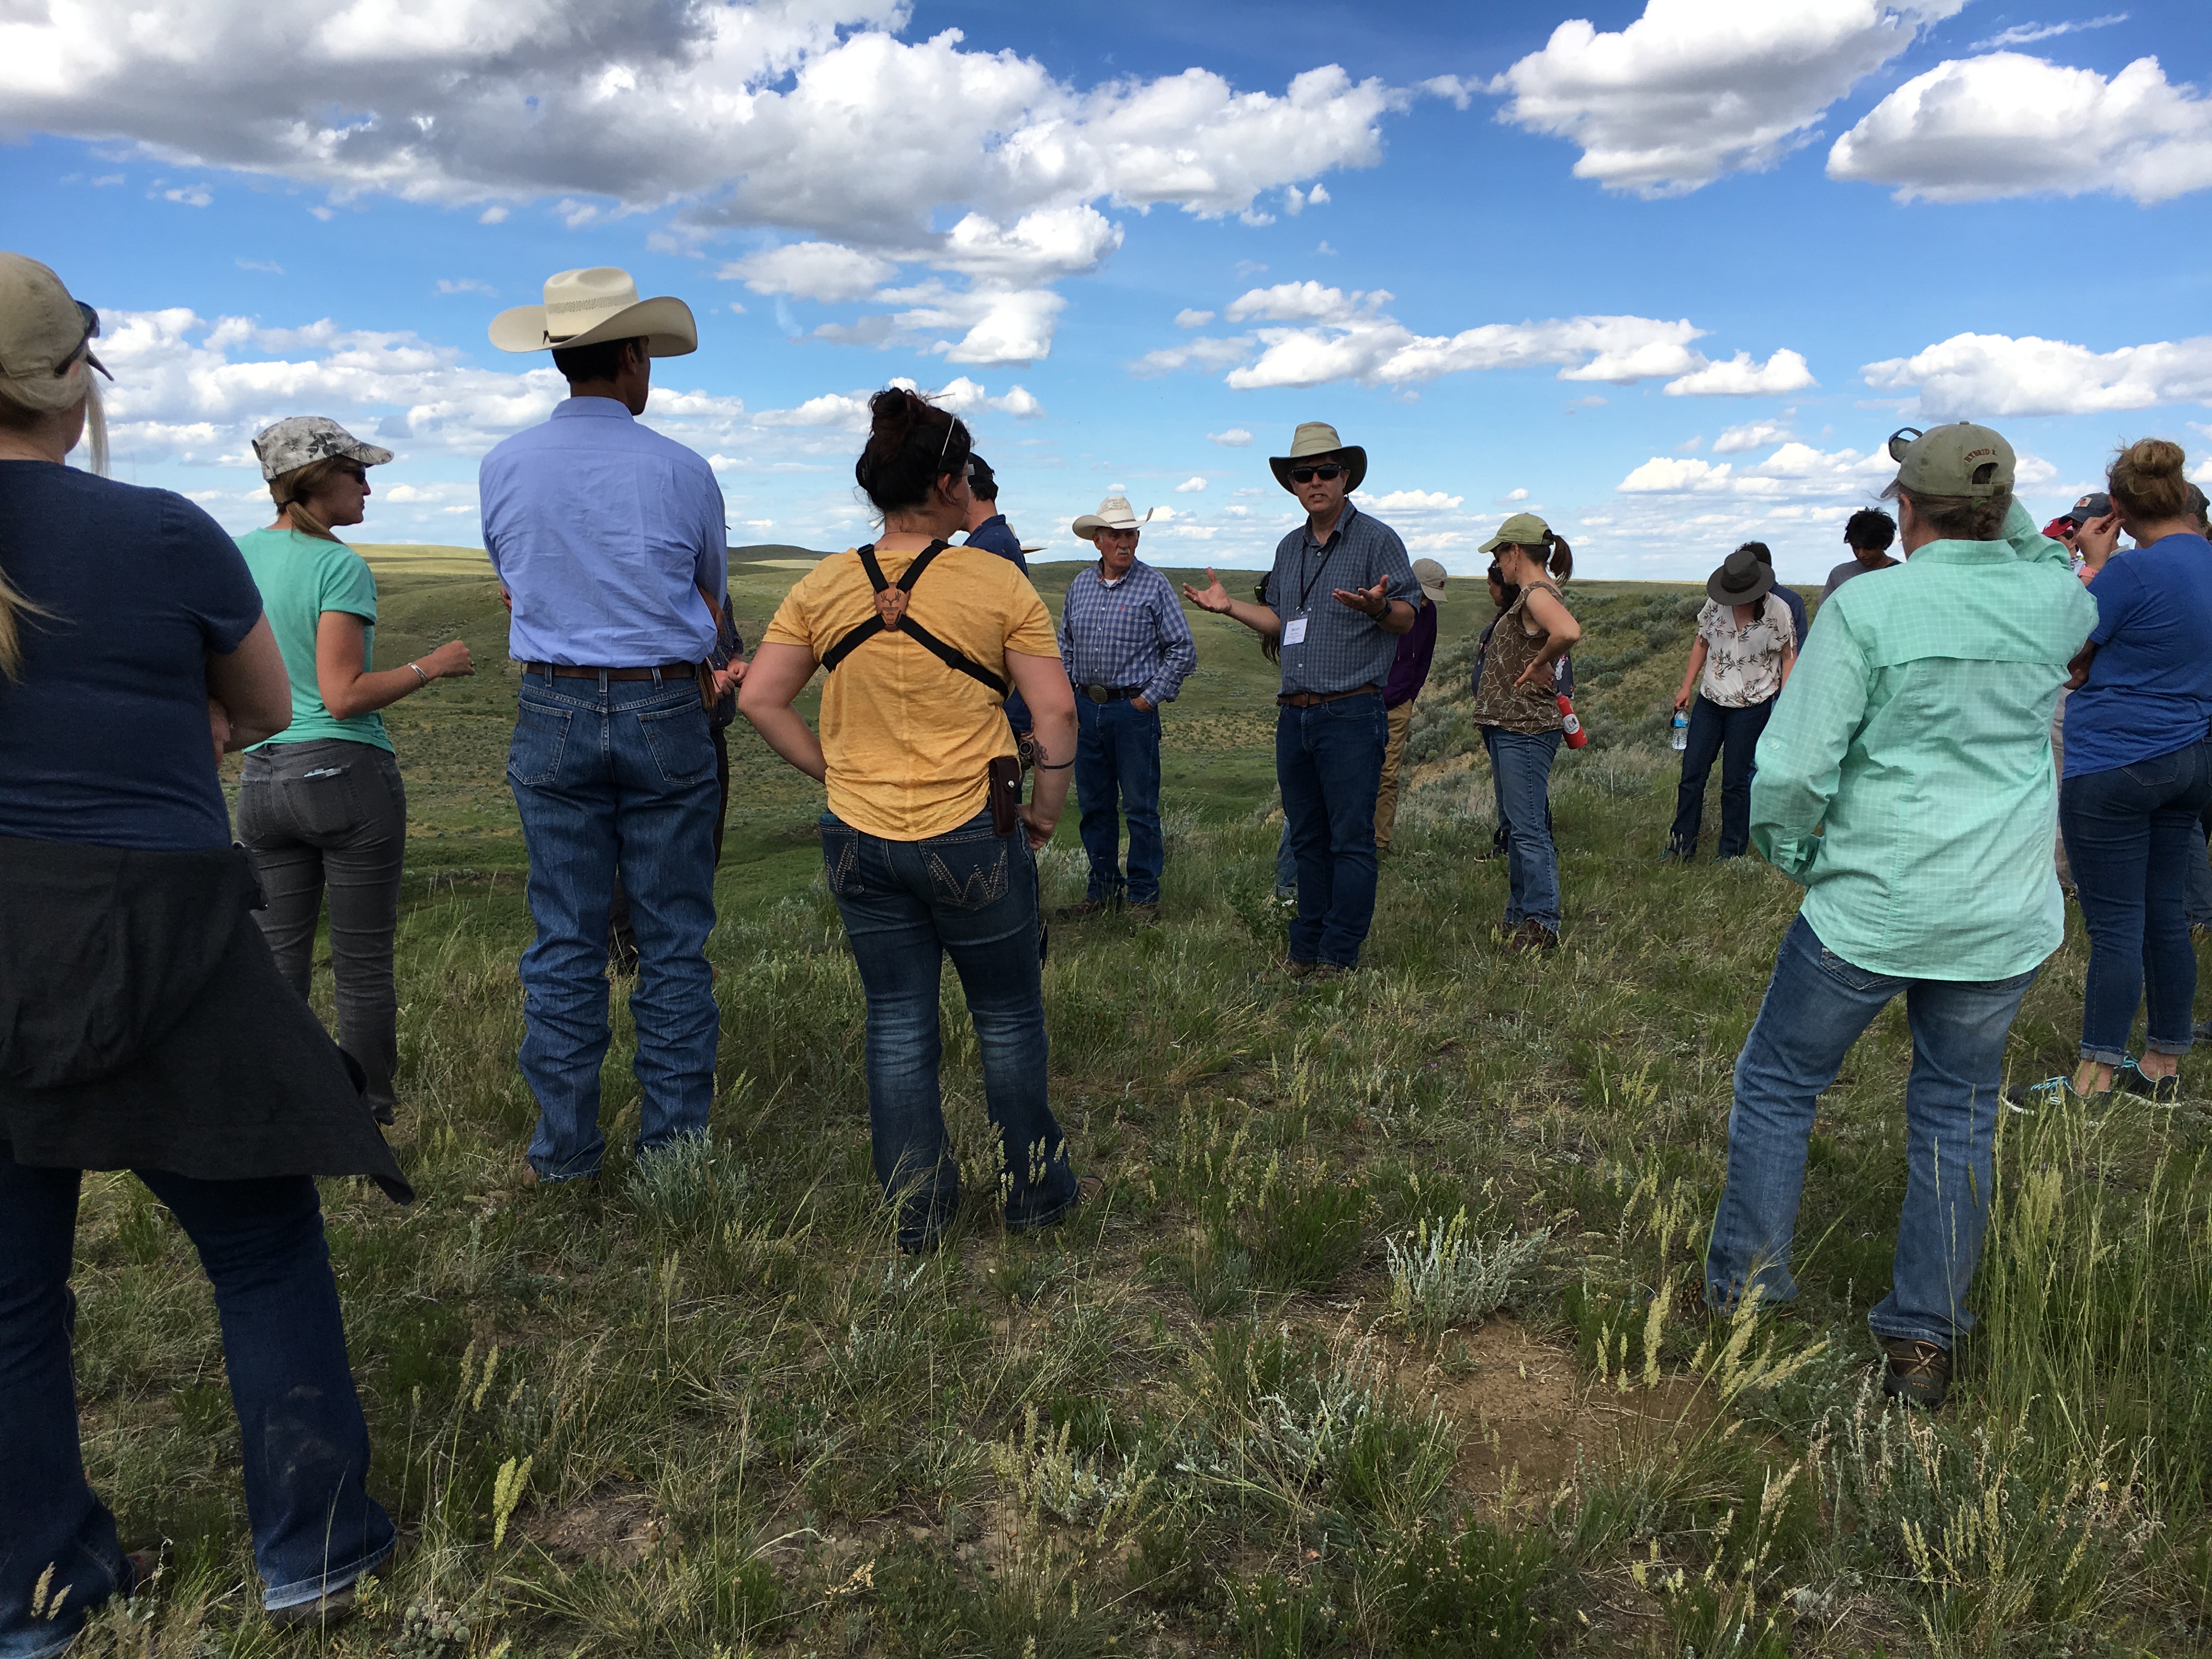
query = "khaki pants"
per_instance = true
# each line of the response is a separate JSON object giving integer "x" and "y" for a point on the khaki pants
{"x": 1386, "y": 797}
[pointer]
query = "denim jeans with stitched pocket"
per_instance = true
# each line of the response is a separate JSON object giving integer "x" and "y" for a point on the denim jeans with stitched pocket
{"x": 1730, "y": 736}
{"x": 1328, "y": 760}
{"x": 1520, "y": 768}
{"x": 608, "y": 774}
{"x": 331, "y": 815}
{"x": 1117, "y": 754}
{"x": 2130, "y": 834}
{"x": 1816, "y": 1005}
{"x": 970, "y": 894}
{"x": 304, "y": 1442}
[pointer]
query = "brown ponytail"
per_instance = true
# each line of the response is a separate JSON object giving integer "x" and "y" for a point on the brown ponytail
{"x": 1563, "y": 557}
{"x": 2147, "y": 482}
{"x": 293, "y": 490}
{"x": 912, "y": 444}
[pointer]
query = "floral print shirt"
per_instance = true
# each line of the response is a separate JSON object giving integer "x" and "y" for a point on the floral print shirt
{"x": 1743, "y": 665}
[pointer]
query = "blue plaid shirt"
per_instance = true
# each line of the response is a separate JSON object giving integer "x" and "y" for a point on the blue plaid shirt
{"x": 1343, "y": 649}
{"x": 1133, "y": 632}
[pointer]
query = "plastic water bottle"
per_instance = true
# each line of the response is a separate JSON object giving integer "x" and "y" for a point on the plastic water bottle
{"x": 1680, "y": 738}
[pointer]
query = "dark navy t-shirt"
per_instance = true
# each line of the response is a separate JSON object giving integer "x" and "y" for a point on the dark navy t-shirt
{"x": 2149, "y": 690}
{"x": 104, "y": 739}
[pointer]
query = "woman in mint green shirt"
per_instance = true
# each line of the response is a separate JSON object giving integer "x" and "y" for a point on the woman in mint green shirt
{"x": 321, "y": 805}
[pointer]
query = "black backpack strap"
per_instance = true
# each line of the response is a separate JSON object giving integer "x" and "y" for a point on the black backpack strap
{"x": 950, "y": 656}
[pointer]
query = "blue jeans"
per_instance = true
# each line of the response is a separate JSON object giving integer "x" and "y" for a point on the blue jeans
{"x": 305, "y": 1445}
{"x": 2131, "y": 833}
{"x": 608, "y": 774}
{"x": 970, "y": 894}
{"x": 1713, "y": 730}
{"x": 1520, "y": 768}
{"x": 2197, "y": 891}
{"x": 1117, "y": 751}
{"x": 1328, "y": 760}
{"x": 1816, "y": 1005}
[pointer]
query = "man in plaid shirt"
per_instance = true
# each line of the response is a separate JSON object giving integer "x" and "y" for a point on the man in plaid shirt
{"x": 1127, "y": 646}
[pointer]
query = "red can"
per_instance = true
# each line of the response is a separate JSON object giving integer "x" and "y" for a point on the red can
{"x": 1569, "y": 725}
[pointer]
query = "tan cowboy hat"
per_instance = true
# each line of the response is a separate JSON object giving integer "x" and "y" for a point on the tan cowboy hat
{"x": 1113, "y": 513}
{"x": 1315, "y": 438}
{"x": 583, "y": 307}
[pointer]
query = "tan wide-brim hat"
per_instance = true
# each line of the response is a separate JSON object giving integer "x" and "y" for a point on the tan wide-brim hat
{"x": 583, "y": 307}
{"x": 1314, "y": 439}
{"x": 1114, "y": 513}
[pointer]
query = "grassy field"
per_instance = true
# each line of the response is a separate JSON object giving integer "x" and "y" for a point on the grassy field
{"x": 1372, "y": 1346}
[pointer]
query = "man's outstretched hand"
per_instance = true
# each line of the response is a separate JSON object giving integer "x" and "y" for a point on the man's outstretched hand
{"x": 1368, "y": 601}
{"x": 1214, "y": 597}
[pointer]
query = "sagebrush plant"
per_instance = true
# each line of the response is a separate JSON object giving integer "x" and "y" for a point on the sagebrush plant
{"x": 726, "y": 1417}
{"x": 1443, "y": 1275}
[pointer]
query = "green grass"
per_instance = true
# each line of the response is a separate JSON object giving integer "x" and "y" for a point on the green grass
{"x": 703, "y": 1407}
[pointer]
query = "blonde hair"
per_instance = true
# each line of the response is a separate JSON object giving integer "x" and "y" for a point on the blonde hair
{"x": 2147, "y": 481}
{"x": 21, "y": 417}
{"x": 293, "y": 490}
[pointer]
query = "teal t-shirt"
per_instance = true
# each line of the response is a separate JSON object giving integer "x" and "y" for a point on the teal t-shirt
{"x": 300, "y": 578}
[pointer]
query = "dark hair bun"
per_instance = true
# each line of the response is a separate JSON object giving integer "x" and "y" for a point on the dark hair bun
{"x": 911, "y": 443}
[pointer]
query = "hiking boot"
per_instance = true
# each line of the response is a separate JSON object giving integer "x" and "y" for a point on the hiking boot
{"x": 1084, "y": 911}
{"x": 1533, "y": 935}
{"x": 383, "y": 1112}
{"x": 1919, "y": 1373}
{"x": 1320, "y": 971}
{"x": 1678, "y": 855}
{"x": 1298, "y": 970}
{"x": 1144, "y": 915}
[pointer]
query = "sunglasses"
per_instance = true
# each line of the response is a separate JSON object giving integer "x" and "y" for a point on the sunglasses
{"x": 1902, "y": 440}
{"x": 91, "y": 319}
{"x": 1325, "y": 472}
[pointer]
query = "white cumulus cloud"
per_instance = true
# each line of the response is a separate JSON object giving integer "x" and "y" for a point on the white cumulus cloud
{"x": 2010, "y": 125}
{"x": 1190, "y": 486}
{"x": 812, "y": 270}
{"x": 1740, "y": 377}
{"x": 1411, "y": 501}
{"x": 1752, "y": 435}
{"x": 1188, "y": 317}
{"x": 1984, "y": 376}
{"x": 1696, "y": 89}
{"x": 1235, "y": 438}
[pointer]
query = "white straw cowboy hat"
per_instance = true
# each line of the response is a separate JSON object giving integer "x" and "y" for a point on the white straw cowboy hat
{"x": 1113, "y": 513}
{"x": 583, "y": 307}
{"x": 1314, "y": 439}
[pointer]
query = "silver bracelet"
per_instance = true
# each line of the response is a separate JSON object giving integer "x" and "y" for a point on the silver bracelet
{"x": 419, "y": 674}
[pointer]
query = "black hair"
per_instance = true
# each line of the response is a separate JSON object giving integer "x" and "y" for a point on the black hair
{"x": 1870, "y": 528}
{"x": 1508, "y": 592}
{"x": 912, "y": 444}
{"x": 1760, "y": 551}
{"x": 1271, "y": 645}
{"x": 983, "y": 483}
{"x": 601, "y": 360}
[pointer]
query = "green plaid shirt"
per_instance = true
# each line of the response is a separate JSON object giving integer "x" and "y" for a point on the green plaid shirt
{"x": 1904, "y": 776}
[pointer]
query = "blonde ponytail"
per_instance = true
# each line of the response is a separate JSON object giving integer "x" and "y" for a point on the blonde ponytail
{"x": 293, "y": 490}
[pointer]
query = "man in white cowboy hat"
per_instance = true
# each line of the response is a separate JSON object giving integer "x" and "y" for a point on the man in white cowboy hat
{"x": 1127, "y": 648}
{"x": 609, "y": 541}
{"x": 1340, "y": 592}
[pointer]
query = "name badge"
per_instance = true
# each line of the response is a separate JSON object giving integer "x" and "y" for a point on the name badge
{"x": 1294, "y": 631}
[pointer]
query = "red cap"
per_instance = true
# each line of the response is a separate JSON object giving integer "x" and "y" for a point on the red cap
{"x": 2059, "y": 527}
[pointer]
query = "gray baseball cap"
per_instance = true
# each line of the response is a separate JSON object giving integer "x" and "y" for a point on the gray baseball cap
{"x": 296, "y": 439}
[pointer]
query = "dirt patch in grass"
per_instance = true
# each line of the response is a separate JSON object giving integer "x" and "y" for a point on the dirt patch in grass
{"x": 613, "y": 1525}
{"x": 1528, "y": 1414}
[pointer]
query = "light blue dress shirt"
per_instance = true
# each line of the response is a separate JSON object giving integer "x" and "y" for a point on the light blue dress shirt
{"x": 603, "y": 533}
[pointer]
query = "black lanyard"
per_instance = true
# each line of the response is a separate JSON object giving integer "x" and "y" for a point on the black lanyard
{"x": 1335, "y": 541}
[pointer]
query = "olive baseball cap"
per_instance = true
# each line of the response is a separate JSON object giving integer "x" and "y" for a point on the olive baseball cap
{"x": 1947, "y": 460}
{"x": 1521, "y": 530}
{"x": 43, "y": 332}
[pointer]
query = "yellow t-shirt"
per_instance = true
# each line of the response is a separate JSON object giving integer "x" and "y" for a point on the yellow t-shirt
{"x": 908, "y": 739}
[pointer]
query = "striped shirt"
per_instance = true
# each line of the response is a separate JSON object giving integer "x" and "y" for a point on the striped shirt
{"x": 1342, "y": 649}
{"x": 1132, "y": 632}
{"x": 1915, "y": 732}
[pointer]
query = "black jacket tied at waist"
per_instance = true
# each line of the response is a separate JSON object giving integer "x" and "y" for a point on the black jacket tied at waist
{"x": 143, "y": 1025}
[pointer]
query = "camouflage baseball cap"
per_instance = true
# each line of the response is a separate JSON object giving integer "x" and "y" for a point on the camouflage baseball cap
{"x": 1949, "y": 461}
{"x": 299, "y": 439}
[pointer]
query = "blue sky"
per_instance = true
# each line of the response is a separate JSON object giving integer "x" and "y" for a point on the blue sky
{"x": 1667, "y": 273}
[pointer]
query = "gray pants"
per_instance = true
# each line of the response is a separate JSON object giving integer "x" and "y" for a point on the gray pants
{"x": 332, "y": 814}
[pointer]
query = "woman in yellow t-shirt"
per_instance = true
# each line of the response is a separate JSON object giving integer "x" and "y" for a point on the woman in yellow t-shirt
{"x": 912, "y": 720}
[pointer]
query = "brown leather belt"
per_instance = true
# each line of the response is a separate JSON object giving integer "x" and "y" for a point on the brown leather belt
{"x": 1308, "y": 699}
{"x": 562, "y": 670}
